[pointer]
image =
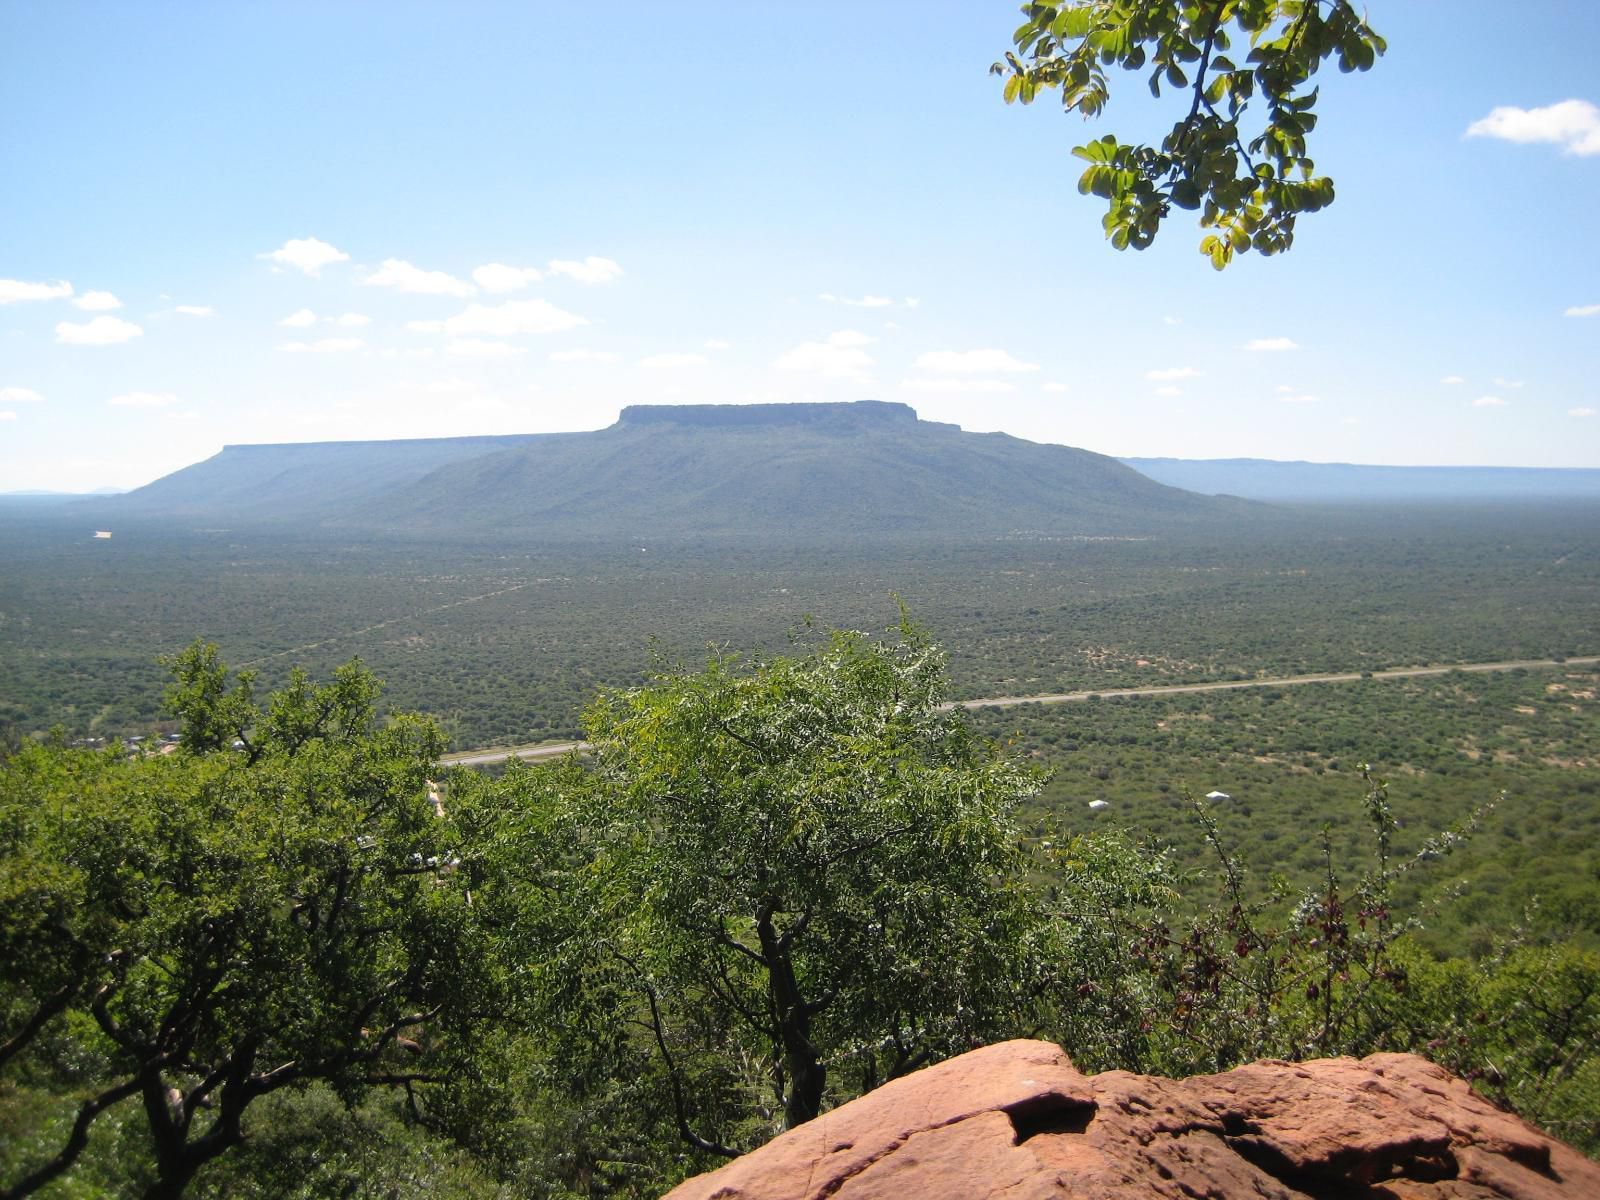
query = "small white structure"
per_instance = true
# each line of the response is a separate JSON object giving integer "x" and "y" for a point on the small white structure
{"x": 1215, "y": 796}
{"x": 102, "y": 533}
{"x": 1096, "y": 805}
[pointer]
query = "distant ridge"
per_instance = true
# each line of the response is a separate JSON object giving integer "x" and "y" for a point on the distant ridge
{"x": 1308, "y": 482}
{"x": 300, "y": 480}
{"x": 795, "y": 470}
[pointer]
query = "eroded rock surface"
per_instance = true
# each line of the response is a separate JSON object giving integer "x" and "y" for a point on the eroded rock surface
{"x": 1017, "y": 1121}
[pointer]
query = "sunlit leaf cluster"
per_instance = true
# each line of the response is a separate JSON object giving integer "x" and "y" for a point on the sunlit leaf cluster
{"x": 1238, "y": 153}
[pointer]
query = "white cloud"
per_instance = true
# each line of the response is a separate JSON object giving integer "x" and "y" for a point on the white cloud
{"x": 859, "y": 302}
{"x": 1583, "y": 310}
{"x": 1272, "y": 344}
{"x": 97, "y": 301}
{"x": 425, "y": 326}
{"x": 1054, "y": 386}
{"x": 102, "y": 331}
{"x": 14, "y": 290}
{"x": 1172, "y": 320}
{"x": 972, "y": 362}
{"x": 7, "y": 415}
{"x": 323, "y": 346}
{"x": 1488, "y": 402}
{"x": 479, "y": 348}
{"x": 718, "y": 344}
{"x": 582, "y": 356}
{"x": 403, "y": 277}
{"x": 308, "y": 255}
{"x": 511, "y": 319}
{"x": 840, "y": 357}
{"x": 1299, "y": 398}
{"x": 1167, "y": 373}
{"x": 1452, "y": 379}
{"x": 957, "y": 385}
{"x": 19, "y": 395}
{"x": 588, "y": 270}
{"x": 300, "y": 320}
{"x": 912, "y": 301}
{"x": 1507, "y": 383}
{"x": 351, "y": 320}
{"x": 1574, "y": 125}
{"x": 1167, "y": 390}
{"x": 1580, "y": 412}
{"x": 497, "y": 277}
{"x": 196, "y": 310}
{"x": 143, "y": 400}
{"x": 674, "y": 360}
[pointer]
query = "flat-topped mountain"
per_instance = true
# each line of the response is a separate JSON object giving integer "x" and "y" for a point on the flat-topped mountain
{"x": 770, "y": 469}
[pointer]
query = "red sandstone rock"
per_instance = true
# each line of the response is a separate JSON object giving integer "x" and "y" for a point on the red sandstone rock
{"x": 1016, "y": 1121}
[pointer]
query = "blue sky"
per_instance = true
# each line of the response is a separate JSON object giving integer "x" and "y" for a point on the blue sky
{"x": 292, "y": 222}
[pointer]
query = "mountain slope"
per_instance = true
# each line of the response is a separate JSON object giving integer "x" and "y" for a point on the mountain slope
{"x": 789, "y": 469}
{"x": 300, "y": 480}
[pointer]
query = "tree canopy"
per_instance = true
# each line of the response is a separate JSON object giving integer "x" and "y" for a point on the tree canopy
{"x": 218, "y": 924}
{"x": 1223, "y": 57}
{"x": 796, "y": 878}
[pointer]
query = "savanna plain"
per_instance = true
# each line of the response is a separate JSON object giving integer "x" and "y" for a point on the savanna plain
{"x": 505, "y": 643}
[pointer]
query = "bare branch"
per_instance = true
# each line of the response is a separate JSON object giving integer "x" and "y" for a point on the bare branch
{"x": 76, "y": 1141}
{"x": 679, "y": 1109}
{"x": 52, "y": 1005}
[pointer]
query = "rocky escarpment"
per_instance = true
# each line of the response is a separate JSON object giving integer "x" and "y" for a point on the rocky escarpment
{"x": 1018, "y": 1121}
{"x": 837, "y": 417}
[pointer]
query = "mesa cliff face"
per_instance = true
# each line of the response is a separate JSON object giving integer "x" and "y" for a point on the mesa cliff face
{"x": 836, "y": 417}
{"x": 1016, "y": 1120}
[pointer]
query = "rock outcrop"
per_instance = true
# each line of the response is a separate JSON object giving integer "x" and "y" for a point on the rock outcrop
{"x": 1017, "y": 1121}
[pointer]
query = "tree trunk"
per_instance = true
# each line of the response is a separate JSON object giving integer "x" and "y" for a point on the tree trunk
{"x": 801, "y": 1061}
{"x": 169, "y": 1187}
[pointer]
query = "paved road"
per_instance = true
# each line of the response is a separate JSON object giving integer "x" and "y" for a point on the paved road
{"x": 478, "y": 758}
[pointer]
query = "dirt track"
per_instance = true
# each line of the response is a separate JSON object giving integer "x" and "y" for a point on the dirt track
{"x": 478, "y": 758}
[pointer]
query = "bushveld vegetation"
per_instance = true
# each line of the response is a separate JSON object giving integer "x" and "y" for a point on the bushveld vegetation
{"x": 265, "y": 962}
{"x": 506, "y": 643}
{"x": 621, "y": 1027}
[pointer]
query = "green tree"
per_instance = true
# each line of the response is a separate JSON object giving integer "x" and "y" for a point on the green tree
{"x": 1248, "y": 193}
{"x": 215, "y": 926}
{"x": 795, "y": 880}
{"x": 1523, "y": 1025}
